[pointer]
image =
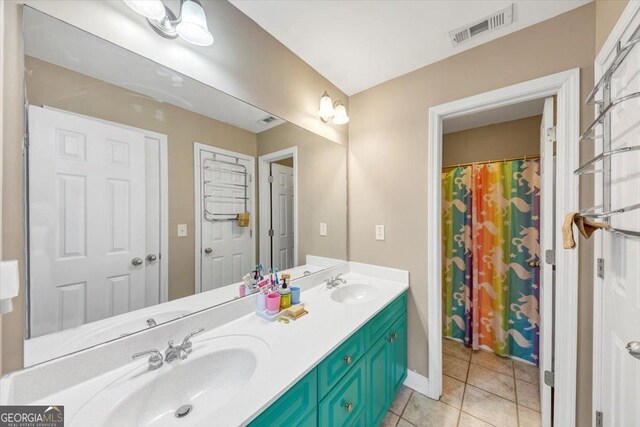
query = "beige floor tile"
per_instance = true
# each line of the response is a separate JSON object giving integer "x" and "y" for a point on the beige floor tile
{"x": 489, "y": 408}
{"x": 452, "y": 391}
{"x": 454, "y": 367}
{"x": 526, "y": 372}
{"x": 492, "y": 361}
{"x": 390, "y": 420}
{"x": 492, "y": 381}
{"x": 404, "y": 423}
{"x": 528, "y": 417}
{"x": 467, "y": 420}
{"x": 456, "y": 348}
{"x": 528, "y": 395}
{"x": 424, "y": 412}
{"x": 401, "y": 399}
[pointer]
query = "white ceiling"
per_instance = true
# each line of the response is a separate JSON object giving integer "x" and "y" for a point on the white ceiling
{"x": 61, "y": 44}
{"x": 495, "y": 115}
{"x": 357, "y": 44}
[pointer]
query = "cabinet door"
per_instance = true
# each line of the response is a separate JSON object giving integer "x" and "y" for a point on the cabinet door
{"x": 379, "y": 377}
{"x": 344, "y": 405}
{"x": 398, "y": 332}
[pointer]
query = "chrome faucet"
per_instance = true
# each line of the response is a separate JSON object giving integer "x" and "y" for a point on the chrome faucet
{"x": 155, "y": 360}
{"x": 180, "y": 351}
{"x": 334, "y": 281}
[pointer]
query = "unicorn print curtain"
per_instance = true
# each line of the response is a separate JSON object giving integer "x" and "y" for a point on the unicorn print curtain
{"x": 491, "y": 229}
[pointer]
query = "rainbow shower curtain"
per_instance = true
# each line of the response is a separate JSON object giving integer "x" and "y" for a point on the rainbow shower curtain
{"x": 491, "y": 223}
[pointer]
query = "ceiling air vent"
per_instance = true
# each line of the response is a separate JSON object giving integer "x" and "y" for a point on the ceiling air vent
{"x": 267, "y": 120}
{"x": 499, "y": 19}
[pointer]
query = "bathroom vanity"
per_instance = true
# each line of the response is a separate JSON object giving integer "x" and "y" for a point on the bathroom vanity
{"x": 341, "y": 364}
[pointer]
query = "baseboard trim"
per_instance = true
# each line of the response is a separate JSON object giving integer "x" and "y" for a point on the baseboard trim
{"x": 417, "y": 382}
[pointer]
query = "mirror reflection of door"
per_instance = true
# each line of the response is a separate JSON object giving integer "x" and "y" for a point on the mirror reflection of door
{"x": 94, "y": 220}
{"x": 281, "y": 201}
{"x": 224, "y": 187}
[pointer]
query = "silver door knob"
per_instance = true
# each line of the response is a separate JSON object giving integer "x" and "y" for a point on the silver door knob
{"x": 137, "y": 261}
{"x": 208, "y": 251}
{"x": 151, "y": 257}
{"x": 634, "y": 349}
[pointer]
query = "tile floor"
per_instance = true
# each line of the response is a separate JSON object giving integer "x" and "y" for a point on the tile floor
{"x": 479, "y": 389}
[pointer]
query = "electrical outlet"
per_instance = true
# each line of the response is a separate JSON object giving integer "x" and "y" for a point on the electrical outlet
{"x": 379, "y": 232}
{"x": 323, "y": 229}
{"x": 182, "y": 230}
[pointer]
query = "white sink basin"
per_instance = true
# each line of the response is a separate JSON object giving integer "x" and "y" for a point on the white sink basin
{"x": 354, "y": 293}
{"x": 212, "y": 375}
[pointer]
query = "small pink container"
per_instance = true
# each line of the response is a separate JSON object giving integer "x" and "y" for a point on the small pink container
{"x": 273, "y": 303}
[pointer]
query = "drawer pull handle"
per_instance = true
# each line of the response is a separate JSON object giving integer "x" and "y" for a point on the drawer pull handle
{"x": 390, "y": 339}
{"x": 347, "y": 360}
{"x": 348, "y": 407}
{"x": 394, "y": 336}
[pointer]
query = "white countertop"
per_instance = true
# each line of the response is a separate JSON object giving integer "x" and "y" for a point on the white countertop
{"x": 296, "y": 347}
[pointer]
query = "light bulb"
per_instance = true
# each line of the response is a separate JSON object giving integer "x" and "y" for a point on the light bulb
{"x": 193, "y": 24}
{"x": 340, "y": 118}
{"x": 151, "y": 9}
{"x": 326, "y": 107}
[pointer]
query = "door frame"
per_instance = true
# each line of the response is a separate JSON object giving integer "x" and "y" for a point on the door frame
{"x": 566, "y": 86}
{"x": 198, "y": 204}
{"x": 164, "y": 190}
{"x": 630, "y": 18}
{"x": 263, "y": 173}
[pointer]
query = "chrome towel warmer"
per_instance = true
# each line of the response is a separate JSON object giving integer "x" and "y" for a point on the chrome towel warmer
{"x": 213, "y": 165}
{"x": 605, "y": 105}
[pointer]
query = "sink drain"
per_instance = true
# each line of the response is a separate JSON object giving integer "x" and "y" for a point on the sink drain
{"x": 183, "y": 411}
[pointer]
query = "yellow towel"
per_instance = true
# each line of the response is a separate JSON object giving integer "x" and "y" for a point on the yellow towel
{"x": 243, "y": 219}
{"x": 585, "y": 226}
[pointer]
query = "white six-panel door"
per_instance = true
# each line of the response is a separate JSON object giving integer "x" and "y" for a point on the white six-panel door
{"x": 282, "y": 216}
{"x": 226, "y": 250}
{"x": 621, "y": 285}
{"x": 86, "y": 220}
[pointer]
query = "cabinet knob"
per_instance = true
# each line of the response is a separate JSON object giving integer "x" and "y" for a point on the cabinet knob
{"x": 347, "y": 360}
{"x": 394, "y": 335}
{"x": 348, "y": 407}
{"x": 390, "y": 339}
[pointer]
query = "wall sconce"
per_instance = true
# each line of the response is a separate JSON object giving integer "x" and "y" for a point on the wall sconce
{"x": 329, "y": 109}
{"x": 190, "y": 25}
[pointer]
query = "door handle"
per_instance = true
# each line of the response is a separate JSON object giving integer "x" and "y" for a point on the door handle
{"x": 137, "y": 261}
{"x": 634, "y": 349}
{"x": 151, "y": 257}
{"x": 208, "y": 251}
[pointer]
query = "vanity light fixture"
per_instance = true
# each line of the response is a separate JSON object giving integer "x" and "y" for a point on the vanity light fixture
{"x": 330, "y": 110}
{"x": 190, "y": 25}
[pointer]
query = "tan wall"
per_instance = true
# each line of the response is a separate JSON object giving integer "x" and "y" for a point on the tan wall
{"x": 58, "y": 87}
{"x": 516, "y": 138}
{"x": 322, "y": 170}
{"x": 388, "y": 156}
{"x": 607, "y": 14}
{"x": 12, "y": 184}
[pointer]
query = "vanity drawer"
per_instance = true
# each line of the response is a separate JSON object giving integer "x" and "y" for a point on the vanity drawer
{"x": 377, "y": 326}
{"x": 345, "y": 404}
{"x": 338, "y": 363}
{"x": 294, "y": 406}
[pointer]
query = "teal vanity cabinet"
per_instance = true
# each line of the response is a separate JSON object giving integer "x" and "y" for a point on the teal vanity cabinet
{"x": 353, "y": 386}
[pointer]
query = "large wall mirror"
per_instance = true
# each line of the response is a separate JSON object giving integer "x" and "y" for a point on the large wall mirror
{"x": 151, "y": 195}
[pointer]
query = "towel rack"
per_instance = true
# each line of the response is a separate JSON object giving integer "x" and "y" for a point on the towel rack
{"x": 604, "y": 107}
{"x": 216, "y": 165}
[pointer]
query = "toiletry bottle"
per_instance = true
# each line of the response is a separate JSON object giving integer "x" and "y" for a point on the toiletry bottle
{"x": 285, "y": 296}
{"x": 276, "y": 275}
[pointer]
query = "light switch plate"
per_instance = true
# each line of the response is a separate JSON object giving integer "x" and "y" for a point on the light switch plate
{"x": 182, "y": 230}
{"x": 323, "y": 229}
{"x": 379, "y": 232}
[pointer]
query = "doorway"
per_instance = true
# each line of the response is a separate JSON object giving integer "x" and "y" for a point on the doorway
{"x": 277, "y": 176}
{"x": 565, "y": 87}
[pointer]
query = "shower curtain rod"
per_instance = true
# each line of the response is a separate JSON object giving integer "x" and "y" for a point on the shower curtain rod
{"x": 532, "y": 157}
